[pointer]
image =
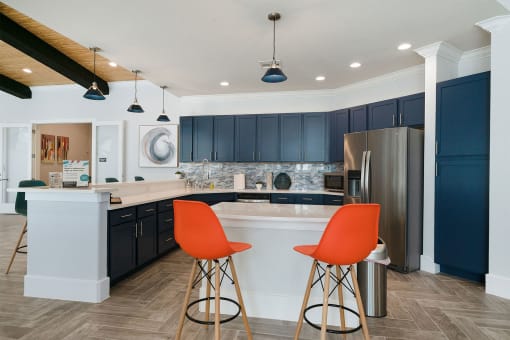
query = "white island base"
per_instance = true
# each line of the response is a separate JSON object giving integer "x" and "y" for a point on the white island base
{"x": 271, "y": 274}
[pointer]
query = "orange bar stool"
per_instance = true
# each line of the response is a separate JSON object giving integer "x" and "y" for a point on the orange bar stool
{"x": 200, "y": 234}
{"x": 349, "y": 237}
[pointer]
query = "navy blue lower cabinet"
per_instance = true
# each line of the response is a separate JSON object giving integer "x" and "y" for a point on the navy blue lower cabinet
{"x": 313, "y": 199}
{"x": 283, "y": 198}
{"x": 166, "y": 241}
{"x": 333, "y": 200}
{"x": 462, "y": 217}
{"x": 146, "y": 241}
{"x": 121, "y": 249}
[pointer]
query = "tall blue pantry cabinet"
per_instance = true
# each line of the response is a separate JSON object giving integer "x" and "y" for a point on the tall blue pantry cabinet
{"x": 462, "y": 176}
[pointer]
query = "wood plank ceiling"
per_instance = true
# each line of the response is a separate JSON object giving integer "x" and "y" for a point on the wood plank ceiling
{"x": 13, "y": 61}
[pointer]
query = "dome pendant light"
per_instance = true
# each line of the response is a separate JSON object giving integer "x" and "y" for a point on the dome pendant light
{"x": 163, "y": 117}
{"x": 135, "y": 107}
{"x": 94, "y": 92}
{"x": 274, "y": 74}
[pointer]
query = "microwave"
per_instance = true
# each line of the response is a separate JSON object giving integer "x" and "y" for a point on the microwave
{"x": 334, "y": 181}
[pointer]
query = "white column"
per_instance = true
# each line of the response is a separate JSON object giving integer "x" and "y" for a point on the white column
{"x": 498, "y": 278}
{"x": 67, "y": 242}
{"x": 441, "y": 63}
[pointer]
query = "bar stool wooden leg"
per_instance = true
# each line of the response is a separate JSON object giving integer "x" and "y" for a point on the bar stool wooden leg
{"x": 341, "y": 302}
{"x": 240, "y": 298}
{"x": 361, "y": 310}
{"x": 208, "y": 291}
{"x": 20, "y": 238}
{"x": 186, "y": 300}
{"x": 217, "y": 331}
{"x": 325, "y": 299}
{"x": 305, "y": 300}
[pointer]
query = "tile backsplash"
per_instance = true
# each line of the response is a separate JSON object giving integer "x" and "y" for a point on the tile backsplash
{"x": 304, "y": 176}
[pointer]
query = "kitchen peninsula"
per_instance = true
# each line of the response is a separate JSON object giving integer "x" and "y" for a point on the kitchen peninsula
{"x": 69, "y": 235}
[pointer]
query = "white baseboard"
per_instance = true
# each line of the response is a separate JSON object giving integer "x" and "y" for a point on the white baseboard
{"x": 67, "y": 289}
{"x": 497, "y": 285}
{"x": 427, "y": 264}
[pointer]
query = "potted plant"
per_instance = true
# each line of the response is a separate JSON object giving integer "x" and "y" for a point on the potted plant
{"x": 259, "y": 185}
{"x": 179, "y": 175}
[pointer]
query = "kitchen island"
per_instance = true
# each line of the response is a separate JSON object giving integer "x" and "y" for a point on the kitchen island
{"x": 271, "y": 274}
{"x": 68, "y": 234}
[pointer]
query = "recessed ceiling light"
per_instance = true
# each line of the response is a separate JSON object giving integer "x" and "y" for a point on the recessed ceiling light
{"x": 112, "y": 64}
{"x": 27, "y": 70}
{"x": 404, "y": 46}
{"x": 355, "y": 65}
{"x": 224, "y": 83}
{"x": 320, "y": 78}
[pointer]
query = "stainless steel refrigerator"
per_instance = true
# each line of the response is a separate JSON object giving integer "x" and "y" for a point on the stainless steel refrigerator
{"x": 386, "y": 166}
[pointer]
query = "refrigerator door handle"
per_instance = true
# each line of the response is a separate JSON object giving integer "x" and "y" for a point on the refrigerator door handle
{"x": 362, "y": 179}
{"x": 367, "y": 177}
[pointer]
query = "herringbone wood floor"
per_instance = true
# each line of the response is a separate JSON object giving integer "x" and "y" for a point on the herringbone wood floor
{"x": 147, "y": 305}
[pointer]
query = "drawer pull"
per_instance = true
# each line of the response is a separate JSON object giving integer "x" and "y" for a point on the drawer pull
{"x": 168, "y": 205}
{"x": 126, "y": 216}
{"x": 149, "y": 210}
{"x": 307, "y": 199}
{"x": 283, "y": 198}
{"x": 337, "y": 200}
{"x": 169, "y": 239}
{"x": 169, "y": 220}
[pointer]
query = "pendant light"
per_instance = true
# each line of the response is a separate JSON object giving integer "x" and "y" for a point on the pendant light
{"x": 135, "y": 107}
{"x": 274, "y": 74}
{"x": 163, "y": 117}
{"x": 94, "y": 92}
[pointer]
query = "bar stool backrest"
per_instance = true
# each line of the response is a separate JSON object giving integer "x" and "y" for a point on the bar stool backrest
{"x": 198, "y": 231}
{"x": 21, "y": 203}
{"x": 350, "y": 235}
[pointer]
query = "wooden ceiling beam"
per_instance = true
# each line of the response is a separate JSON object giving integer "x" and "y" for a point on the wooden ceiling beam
{"x": 15, "y": 88}
{"x": 28, "y": 43}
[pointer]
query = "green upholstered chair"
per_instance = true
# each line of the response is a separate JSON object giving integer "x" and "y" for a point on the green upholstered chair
{"x": 111, "y": 180}
{"x": 139, "y": 178}
{"x": 21, "y": 208}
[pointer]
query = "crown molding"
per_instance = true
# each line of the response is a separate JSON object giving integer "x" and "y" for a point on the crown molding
{"x": 494, "y": 24}
{"x": 440, "y": 49}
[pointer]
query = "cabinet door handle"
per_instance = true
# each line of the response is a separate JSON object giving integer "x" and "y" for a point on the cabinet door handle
{"x": 216, "y": 156}
{"x": 400, "y": 119}
{"x": 168, "y": 220}
{"x": 307, "y": 199}
{"x": 393, "y": 120}
{"x": 169, "y": 239}
{"x": 141, "y": 228}
{"x": 136, "y": 230}
{"x": 168, "y": 205}
{"x": 126, "y": 216}
{"x": 149, "y": 210}
{"x": 190, "y": 155}
{"x": 259, "y": 155}
{"x": 253, "y": 155}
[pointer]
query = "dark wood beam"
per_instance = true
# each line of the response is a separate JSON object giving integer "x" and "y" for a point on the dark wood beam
{"x": 15, "y": 88}
{"x": 28, "y": 43}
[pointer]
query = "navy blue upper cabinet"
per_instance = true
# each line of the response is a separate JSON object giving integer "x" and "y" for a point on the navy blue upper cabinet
{"x": 339, "y": 125}
{"x": 186, "y": 139}
{"x": 358, "y": 118}
{"x": 246, "y": 138}
{"x": 203, "y": 132}
{"x": 382, "y": 114}
{"x": 315, "y": 135}
{"x": 412, "y": 110}
{"x": 224, "y": 138}
{"x": 268, "y": 138}
{"x": 291, "y": 137}
{"x": 463, "y": 124}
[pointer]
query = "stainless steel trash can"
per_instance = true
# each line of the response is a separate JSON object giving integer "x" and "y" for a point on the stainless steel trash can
{"x": 372, "y": 281}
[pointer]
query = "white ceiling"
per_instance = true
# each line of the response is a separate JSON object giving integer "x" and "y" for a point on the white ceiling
{"x": 193, "y": 45}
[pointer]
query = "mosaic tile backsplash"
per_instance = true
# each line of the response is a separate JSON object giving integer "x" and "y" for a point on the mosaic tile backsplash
{"x": 304, "y": 176}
